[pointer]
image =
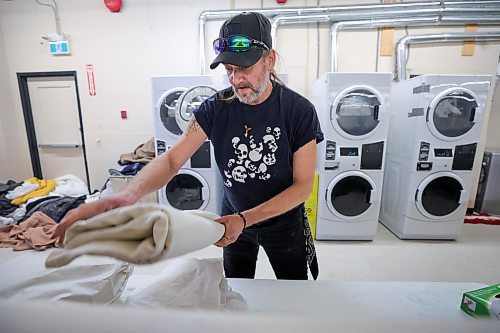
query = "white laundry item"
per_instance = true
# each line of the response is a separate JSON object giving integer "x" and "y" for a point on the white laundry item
{"x": 18, "y": 214}
{"x": 6, "y": 221}
{"x": 189, "y": 283}
{"x": 24, "y": 188}
{"x": 92, "y": 197}
{"x": 107, "y": 191}
{"x": 141, "y": 233}
{"x": 86, "y": 280}
{"x": 230, "y": 299}
{"x": 69, "y": 186}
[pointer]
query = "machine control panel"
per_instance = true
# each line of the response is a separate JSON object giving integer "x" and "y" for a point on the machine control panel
{"x": 423, "y": 154}
{"x": 443, "y": 152}
{"x": 161, "y": 147}
{"x": 349, "y": 151}
{"x": 330, "y": 150}
{"x": 424, "y": 166}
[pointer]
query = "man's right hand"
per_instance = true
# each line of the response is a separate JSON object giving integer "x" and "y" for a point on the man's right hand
{"x": 86, "y": 211}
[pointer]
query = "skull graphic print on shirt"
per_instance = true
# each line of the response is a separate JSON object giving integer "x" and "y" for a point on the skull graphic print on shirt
{"x": 252, "y": 157}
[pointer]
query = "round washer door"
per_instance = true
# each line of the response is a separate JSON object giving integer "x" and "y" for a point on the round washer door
{"x": 440, "y": 195}
{"x": 187, "y": 190}
{"x": 189, "y": 101}
{"x": 452, "y": 114}
{"x": 350, "y": 194}
{"x": 356, "y": 111}
{"x": 166, "y": 109}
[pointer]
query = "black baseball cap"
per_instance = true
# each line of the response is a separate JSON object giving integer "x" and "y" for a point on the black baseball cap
{"x": 250, "y": 24}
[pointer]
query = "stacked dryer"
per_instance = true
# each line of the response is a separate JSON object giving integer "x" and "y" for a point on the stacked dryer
{"x": 197, "y": 184}
{"x": 353, "y": 111}
{"x": 434, "y": 131}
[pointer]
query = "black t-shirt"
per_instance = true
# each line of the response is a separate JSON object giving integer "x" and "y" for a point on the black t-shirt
{"x": 254, "y": 144}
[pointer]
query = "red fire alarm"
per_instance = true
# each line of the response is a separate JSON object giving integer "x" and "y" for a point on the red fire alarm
{"x": 281, "y": 1}
{"x": 113, "y": 5}
{"x": 123, "y": 114}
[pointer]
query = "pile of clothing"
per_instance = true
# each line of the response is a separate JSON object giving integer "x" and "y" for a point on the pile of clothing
{"x": 30, "y": 210}
{"x": 131, "y": 164}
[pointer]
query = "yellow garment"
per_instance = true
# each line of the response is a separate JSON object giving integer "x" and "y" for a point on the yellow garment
{"x": 43, "y": 189}
{"x": 32, "y": 180}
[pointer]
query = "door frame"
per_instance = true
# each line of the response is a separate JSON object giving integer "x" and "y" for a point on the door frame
{"x": 22, "y": 79}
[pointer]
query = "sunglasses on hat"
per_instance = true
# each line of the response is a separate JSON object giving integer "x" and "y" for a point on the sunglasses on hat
{"x": 236, "y": 43}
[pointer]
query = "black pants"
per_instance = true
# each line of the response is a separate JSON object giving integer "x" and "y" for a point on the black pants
{"x": 285, "y": 246}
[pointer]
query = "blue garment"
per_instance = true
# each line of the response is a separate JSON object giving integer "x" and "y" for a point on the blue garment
{"x": 254, "y": 144}
{"x": 131, "y": 169}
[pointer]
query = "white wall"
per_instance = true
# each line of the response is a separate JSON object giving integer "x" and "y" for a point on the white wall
{"x": 160, "y": 37}
{"x": 14, "y": 157}
{"x": 5, "y": 104}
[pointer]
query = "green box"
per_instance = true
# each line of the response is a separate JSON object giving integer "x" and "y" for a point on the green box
{"x": 482, "y": 303}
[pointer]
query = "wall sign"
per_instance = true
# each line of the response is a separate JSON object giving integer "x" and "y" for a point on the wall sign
{"x": 90, "y": 79}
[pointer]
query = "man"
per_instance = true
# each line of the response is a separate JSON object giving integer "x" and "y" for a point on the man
{"x": 264, "y": 137}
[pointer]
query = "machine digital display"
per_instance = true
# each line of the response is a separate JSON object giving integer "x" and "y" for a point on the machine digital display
{"x": 438, "y": 152}
{"x": 349, "y": 151}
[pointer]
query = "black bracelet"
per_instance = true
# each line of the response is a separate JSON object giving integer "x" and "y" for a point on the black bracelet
{"x": 244, "y": 219}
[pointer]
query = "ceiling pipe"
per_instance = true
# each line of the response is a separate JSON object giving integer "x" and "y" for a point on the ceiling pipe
{"x": 354, "y": 16}
{"x": 345, "y": 10}
{"x": 349, "y": 12}
{"x": 370, "y": 24}
{"x": 474, "y": 3}
{"x": 400, "y": 22}
{"x": 403, "y": 44}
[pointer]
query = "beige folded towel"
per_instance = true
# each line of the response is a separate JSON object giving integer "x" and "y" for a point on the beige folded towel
{"x": 140, "y": 234}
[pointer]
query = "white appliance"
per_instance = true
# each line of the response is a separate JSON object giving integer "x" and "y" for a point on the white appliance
{"x": 353, "y": 112}
{"x": 197, "y": 184}
{"x": 434, "y": 130}
{"x": 170, "y": 119}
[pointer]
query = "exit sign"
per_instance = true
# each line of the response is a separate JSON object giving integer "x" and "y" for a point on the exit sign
{"x": 59, "y": 47}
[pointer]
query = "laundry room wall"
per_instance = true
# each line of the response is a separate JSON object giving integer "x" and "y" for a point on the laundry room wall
{"x": 4, "y": 98}
{"x": 11, "y": 164}
{"x": 160, "y": 37}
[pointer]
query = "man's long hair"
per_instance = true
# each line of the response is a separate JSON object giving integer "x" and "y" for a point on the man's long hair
{"x": 231, "y": 96}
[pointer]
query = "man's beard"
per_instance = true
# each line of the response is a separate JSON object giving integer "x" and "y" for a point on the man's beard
{"x": 256, "y": 92}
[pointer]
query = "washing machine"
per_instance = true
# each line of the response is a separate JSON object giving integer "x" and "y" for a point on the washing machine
{"x": 170, "y": 119}
{"x": 433, "y": 135}
{"x": 353, "y": 111}
{"x": 197, "y": 185}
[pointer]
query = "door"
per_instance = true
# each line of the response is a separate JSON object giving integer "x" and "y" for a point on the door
{"x": 440, "y": 195}
{"x": 452, "y": 114}
{"x": 54, "y": 125}
{"x": 175, "y": 107}
{"x": 166, "y": 108}
{"x": 190, "y": 101}
{"x": 355, "y": 112}
{"x": 187, "y": 190}
{"x": 350, "y": 194}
